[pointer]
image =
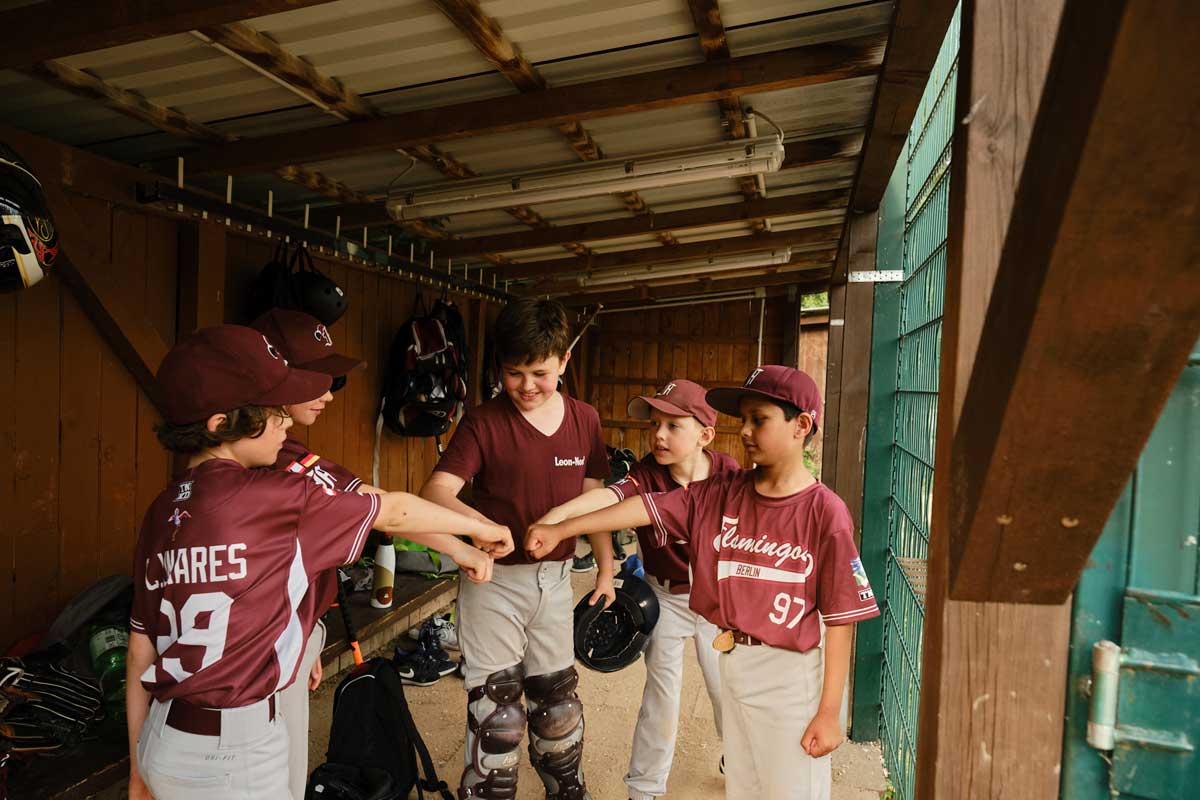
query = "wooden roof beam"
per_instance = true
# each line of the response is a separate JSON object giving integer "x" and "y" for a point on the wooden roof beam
{"x": 918, "y": 27}
{"x": 796, "y": 155}
{"x": 815, "y": 280}
{"x": 174, "y": 122}
{"x": 666, "y": 88}
{"x": 488, "y": 36}
{"x": 670, "y": 220}
{"x": 710, "y": 31}
{"x": 825, "y": 234}
{"x": 58, "y": 28}
{"x": 1095, "y": 306}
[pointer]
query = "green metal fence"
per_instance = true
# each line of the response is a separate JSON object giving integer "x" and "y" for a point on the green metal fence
{"x": 926, "y": 175}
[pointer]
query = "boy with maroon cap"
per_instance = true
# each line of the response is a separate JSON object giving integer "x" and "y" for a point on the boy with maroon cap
{"x": 683, "y": 425}
{"x": 525, "y": 451}
{"x": 306, "y": 344}
{"x": 223, "y": 560}
{"x": 768, "y": 548}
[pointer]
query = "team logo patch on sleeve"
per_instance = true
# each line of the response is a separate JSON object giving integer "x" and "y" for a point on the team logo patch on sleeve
{"x": 860, "y": 579}
{"x": 185, "y": 491}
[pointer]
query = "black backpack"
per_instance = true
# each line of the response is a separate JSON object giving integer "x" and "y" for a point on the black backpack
{"x": 426, "y": 380}
{"x": 373, "y": 743}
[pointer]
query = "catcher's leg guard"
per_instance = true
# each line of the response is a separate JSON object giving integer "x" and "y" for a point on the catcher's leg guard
{"x": 556, "y": 733}
{"x": 495, "y": 724}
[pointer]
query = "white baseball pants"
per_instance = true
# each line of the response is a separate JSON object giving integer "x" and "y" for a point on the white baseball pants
{"x": 769, "y": 695}
{"x": 292, "y": 705}
{"x": 658, "y": 718}
{"x": 248, "y": 761}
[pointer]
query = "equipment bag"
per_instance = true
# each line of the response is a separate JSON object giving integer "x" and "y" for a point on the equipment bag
{"x": 373, "y": 731}
{"x": 425, "y": 384}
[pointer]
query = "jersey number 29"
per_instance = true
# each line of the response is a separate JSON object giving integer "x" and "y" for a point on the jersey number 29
{"x": 183, "y": 630}
{"x": 783, "y": 606}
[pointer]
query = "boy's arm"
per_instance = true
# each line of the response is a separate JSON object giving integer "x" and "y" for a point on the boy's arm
{"x": 591, "y": 500}
{"x": 443, "y": 488}
{"x": 138, "y": 658}
{"x": 602, "y": 549}
{"x": 629, "y": 513}
{"x": 825, "y": 733}
{"x": 410, "y": 516}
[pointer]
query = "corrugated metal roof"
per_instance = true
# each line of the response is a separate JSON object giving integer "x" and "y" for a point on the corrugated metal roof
{"x": 404, "y": 55}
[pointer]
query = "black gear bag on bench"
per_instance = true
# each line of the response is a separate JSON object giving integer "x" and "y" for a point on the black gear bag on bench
{"x": 374, "y": 746}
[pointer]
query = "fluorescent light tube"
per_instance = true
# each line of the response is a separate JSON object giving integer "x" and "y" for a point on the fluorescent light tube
{"x": 730, "y": 159}
{"x": 688, "y": 268}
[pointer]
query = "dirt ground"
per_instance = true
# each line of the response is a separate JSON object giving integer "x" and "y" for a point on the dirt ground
{"x": 610, "y": 707}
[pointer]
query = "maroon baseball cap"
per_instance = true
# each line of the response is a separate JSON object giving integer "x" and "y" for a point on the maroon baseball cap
{"x": 305, "y": 342}
{"x": 773, "y": 382}
{"x": 677, "y": 398}
{"x": 225, "y": 367}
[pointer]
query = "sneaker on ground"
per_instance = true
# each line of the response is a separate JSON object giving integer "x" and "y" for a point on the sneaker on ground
{"x": 585, "y": 563}
{"x": 447, "y": 634}
{"x": 419, "y": 668}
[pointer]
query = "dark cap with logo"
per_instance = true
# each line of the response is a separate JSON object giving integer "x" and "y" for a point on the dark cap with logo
{"x": 225, "y": 367}
{"x": 677, "y": 398}
{"x": 305, "y": 342}
{"x": 775, "y": 383}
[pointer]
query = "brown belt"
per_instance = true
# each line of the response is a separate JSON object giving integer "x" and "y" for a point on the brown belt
{"x": 726, "y": 640}
{"x": 746, "y": 639}
{"x": 190, "y": 718}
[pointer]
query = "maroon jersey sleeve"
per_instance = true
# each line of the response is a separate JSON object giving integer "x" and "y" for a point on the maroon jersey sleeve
{"x": 671, "y": 513}
{"x": 844, "y": 593}
{"x": 294, "y": 457}
{"x": 333, "y": 526}
{"x": 635, "y": 483}
{"x": 597, "y": 460}
{"x": 464, "y": 454}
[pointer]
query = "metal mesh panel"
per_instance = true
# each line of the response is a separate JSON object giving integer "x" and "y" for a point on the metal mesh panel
{"x": 927, "y": 153}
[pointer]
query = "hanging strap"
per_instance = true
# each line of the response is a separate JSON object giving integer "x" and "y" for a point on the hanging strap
{"x": 430, "y": 782}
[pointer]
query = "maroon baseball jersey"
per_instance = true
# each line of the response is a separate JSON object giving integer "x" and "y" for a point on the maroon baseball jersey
{"x": 668, "y": 562}
{"x": 520, "y": 473}
{"x": 294, "y": 457}
{"x": 224, "y": 558}
{"x": 767, "y": 565}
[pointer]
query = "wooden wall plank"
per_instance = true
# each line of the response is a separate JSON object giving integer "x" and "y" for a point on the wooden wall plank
{"x": 985, "y": 679}
{"x": 36, "y": 490}
{"x": 8, "y": 471}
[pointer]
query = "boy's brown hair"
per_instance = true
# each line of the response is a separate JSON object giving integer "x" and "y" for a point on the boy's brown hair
{"x": 530, "y": 330}
{"x": 247, "y": 422}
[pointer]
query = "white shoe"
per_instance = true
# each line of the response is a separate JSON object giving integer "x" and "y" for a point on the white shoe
{"x": 447, "y": 634}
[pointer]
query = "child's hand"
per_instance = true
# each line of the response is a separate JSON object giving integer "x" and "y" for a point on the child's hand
{"x": 541, "y": 539}
{"x": 315, "y": 675}
{"x": 823, "y": 735}
{"x": 475, "y": 564}
{"x": 495, "y": 540}
{"x": 604, "y": 588}
{"x": 138, "y": 790}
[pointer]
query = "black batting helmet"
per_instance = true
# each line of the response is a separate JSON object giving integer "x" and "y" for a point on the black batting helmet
{"x": 609, "y": 639}
{"x": 28, "y": 241}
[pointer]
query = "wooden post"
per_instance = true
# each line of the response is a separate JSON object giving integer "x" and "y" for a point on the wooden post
{"x": 993, "y": 674}
{"x": 202, "y": 257}
{"x": 480, "y": 319}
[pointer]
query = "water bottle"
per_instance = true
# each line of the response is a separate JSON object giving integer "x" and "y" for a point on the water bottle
{"x": 107, "y": 646}
{"x": 385, "y": 573}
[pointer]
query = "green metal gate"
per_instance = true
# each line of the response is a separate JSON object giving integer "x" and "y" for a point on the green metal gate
{"x": 1141, "y": 590}
{"x": 902, "y": 420}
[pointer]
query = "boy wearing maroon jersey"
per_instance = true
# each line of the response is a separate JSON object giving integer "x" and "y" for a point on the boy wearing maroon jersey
{"x": 306, "y": 344}
{"x": 768, "y": 547}
{"x": 224, "y": 558}
{"x": 682, "y": 424}
{"x": 525, "y": 451}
